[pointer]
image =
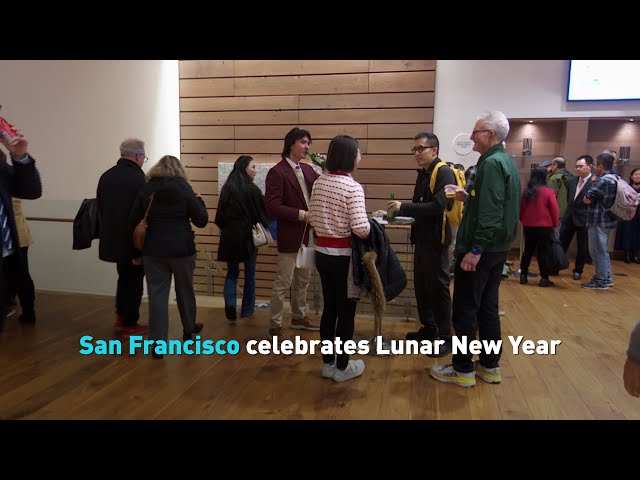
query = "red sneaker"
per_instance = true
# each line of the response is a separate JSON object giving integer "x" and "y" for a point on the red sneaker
{"x": 134, "y": 330}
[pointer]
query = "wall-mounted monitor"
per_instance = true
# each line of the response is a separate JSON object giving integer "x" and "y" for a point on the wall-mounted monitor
{"x": 603, "y": 80}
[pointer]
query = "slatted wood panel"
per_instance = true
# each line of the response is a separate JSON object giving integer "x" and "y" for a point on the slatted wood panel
{"x": 233, "y": 107}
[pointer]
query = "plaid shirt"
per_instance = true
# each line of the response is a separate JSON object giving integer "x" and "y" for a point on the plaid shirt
{"x": 602, "y": 195}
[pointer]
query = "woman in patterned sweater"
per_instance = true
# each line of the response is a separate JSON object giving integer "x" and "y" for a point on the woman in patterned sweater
{"x": 338, "y": 209}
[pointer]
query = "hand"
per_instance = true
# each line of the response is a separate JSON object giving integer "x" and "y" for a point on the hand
{"x": 19, "y": 150}
{"x": 306, "y": 217}
{"x": 586, "y": 200}
{"x": 469, "y": 262}
{"x": 136, "y": 261}
{"x": 393, "y": 205}
{"x": 379, "y": 213}
{"x": 461, "y": 195}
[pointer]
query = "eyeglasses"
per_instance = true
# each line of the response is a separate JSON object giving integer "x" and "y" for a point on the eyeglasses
{"x": 478, "y": 131}
{"x": 420, "y": 148}
{"x": 145, "y": 157}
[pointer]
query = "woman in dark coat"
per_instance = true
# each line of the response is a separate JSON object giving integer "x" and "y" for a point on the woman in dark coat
{"x": 241, "y": 206}
{"x": 169, "y": 246}
{"x": 628, "y": 233}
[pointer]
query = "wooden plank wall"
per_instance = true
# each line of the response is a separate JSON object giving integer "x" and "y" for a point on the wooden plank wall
{"x": 234, "y": 107}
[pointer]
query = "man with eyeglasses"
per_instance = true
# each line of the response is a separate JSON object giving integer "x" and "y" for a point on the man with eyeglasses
{"x": 117, "y": 190}
{"x": 431, "y": 256}
{"x": 488, "y": 228}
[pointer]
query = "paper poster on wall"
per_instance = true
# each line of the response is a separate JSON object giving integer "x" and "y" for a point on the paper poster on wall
{"x": 224, "y": 169}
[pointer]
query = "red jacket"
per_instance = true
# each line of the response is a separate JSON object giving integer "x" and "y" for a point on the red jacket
{"x": 284, "y": 200}
{"x": 542, "y": 211}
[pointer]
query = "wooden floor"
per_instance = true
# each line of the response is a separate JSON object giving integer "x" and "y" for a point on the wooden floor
{"x": 42, "y": 375}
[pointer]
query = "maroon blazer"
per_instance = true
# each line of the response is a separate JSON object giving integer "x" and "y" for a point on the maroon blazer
{"x": 284, "y": 199}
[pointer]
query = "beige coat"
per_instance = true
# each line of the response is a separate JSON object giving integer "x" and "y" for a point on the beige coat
{"x": 24, "y": 234}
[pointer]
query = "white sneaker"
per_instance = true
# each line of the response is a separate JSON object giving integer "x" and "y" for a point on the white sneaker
{"x": 327, "y": 370}
{"x": 354, "y": 369}
{"x": 489, "y": 375}
{"x": 447, "y": 374}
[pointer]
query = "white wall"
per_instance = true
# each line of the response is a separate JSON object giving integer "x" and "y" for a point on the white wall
{"x": 518, "y": 88}
{"x": 75, "y": 115}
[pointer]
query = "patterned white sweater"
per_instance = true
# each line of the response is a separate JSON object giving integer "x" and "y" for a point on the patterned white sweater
{"x": 337, "y": 209}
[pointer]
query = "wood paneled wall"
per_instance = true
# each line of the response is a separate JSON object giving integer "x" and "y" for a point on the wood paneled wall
{"x": 233, "y": 107}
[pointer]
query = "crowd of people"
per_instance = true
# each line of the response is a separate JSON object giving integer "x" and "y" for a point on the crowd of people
{"x": 328, "y": 213}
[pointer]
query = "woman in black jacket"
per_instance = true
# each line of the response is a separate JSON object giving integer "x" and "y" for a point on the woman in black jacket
{"x": 169, "y": 247}
{"x": 241, "y": 206}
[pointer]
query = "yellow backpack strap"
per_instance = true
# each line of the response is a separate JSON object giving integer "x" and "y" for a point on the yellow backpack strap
{"x": 432, "y": 186}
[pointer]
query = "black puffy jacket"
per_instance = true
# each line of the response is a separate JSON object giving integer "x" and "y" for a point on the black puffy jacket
{"x": 394, "y": 279}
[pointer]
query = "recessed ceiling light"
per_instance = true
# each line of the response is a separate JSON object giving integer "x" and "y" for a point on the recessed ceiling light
{"x": 530, "y": 121}
{"x": 631, "y": 120}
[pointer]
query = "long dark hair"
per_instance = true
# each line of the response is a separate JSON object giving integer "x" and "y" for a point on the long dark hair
{"x": 538, "y": 179}
{"x": 342, "y": 154}
{"x": 631, "y": 175}
{"x": 238, "y": 181}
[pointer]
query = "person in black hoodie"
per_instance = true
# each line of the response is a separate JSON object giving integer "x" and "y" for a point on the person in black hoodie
{"x": 241, "y": 206}
{"x": 169, "y": 247}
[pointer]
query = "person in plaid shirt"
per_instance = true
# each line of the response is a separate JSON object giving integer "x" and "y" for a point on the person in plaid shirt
{"x": 600, "y": 197}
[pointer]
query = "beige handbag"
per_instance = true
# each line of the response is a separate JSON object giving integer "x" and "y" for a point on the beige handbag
{"x": 306, "y": 257}
{"x": 261, "y": 235}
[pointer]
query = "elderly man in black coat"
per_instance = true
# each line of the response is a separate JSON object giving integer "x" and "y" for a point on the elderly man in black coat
{"x": 117, "y": 190}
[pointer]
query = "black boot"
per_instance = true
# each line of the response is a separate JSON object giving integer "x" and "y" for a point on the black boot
{"x": 627, "y": 256}
{"x": 230, "y": 312}
{"x": 635, "y": 258}
{"x": 524, "y": 279}
{"x": 425, "y": 333}
{"x": 545, "y": 282}
{"x": 443, "y": 350}
{"x": 197, "y": 328}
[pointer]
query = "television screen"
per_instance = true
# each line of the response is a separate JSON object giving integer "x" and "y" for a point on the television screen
{"x": 604, "y": 80}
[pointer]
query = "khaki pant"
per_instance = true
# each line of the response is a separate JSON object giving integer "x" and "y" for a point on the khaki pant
{"x": 288, "y": 276}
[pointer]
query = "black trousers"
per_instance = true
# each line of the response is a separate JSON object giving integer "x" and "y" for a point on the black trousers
{"x": 20, "y": 282}
{"x": 339, "y": 311}
{"x": 129, "y": 292}
{"x": 475, "y": 308}
{"x": 567, "y": 230}
{"x": 539, "y": 238}
{"x": 3, "y": 291}
{"x": 431, "y": 283}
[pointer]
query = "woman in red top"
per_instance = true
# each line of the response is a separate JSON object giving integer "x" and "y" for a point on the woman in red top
{"x": 539, "y": 216}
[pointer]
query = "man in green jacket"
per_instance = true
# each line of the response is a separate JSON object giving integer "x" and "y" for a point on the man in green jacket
{"x": 558, "y": 180}
{"x": 489, "y": 226}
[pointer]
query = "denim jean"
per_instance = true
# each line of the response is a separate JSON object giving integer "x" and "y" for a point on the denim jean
{"x": 598, "y": 239}
{"x": 249, "y": 291}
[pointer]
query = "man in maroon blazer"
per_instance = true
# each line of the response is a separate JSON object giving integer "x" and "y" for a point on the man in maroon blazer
{"x": 287, "y": 192}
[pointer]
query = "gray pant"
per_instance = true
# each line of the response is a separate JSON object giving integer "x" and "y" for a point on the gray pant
{"x": 158, "y": 271}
